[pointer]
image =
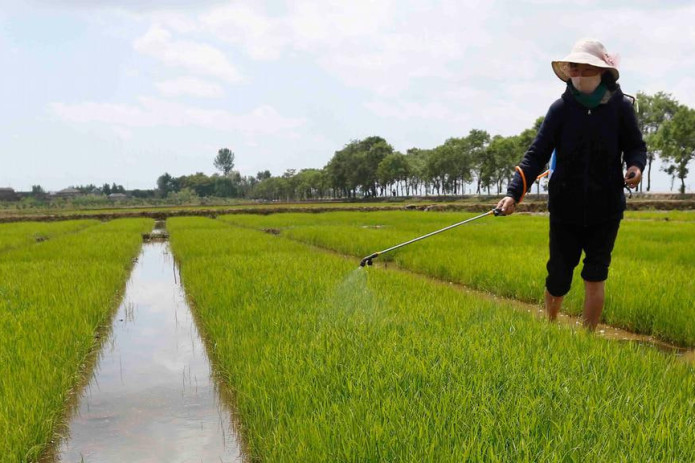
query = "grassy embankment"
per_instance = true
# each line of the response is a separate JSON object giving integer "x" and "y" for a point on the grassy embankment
{"x": 332, "y": 363}
{"x": 53, "y": 297}
{"x": 650, "y": 289}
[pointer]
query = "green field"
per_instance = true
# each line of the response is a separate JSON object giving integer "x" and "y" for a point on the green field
{"x": 650, "y": 288}
{"x": 13, "y": 235}
{"x": 54, "y": 295}
{"x": 329, "y": 362}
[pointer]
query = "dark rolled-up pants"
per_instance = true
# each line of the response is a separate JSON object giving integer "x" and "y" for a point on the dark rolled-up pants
{"x": 567, "y": 241}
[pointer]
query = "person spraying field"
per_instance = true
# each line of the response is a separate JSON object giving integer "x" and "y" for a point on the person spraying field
{"x": 593, "y": 130}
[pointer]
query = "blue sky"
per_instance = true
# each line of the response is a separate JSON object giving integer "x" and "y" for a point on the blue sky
{"x": 123, "y": 91}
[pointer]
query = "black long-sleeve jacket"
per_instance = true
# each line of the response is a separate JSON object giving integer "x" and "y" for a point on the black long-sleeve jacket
{"x": 587, "y": 184}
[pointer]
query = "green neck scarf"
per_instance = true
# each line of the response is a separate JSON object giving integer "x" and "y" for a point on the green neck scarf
{"x": 590, "y": 100}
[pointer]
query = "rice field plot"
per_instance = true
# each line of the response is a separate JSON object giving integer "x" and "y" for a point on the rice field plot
{"x": 329, "y": 362}
{"x": 680, "y": 216}
{"x": 53, "y": 297}
{"x": 650, "y": 289}
{"x": 18, "y": 234}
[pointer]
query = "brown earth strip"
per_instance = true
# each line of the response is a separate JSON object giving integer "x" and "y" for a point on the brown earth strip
{"x": 163, "y": 214}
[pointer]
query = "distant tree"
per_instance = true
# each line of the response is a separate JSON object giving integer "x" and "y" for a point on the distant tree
{"x": 339, "y": 172}
{"x": 37, "y": 190}
{"x": 502, "y": 154}
{"x": 526, "y": 137}
{"x": 417, "y": 170}
{"x": 355, "y": 166}
{"x": 676, "y": 140}
{"x": 224, "y": 161}
{"x": 200, "y": 183}
{"x": 310, "y": 184}
{"x": 271, "y": 188}
{"x": 392, "y": 170}
{"x": 372, "y": 150}
{"x": 476, "y": 144}
{"x": 164, "y": 184}
{"x": 455, "y": 163}
{"x": 224, "y": 187}
{"x": 652, "y": 112}
{"x": 260, "y": 176}
{"x": 90, "y": 189}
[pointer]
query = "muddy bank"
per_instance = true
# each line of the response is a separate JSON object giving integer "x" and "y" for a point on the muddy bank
{"x": 530, "y": 205}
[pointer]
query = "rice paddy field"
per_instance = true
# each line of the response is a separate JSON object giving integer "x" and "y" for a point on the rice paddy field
{"x": 331, "y": 362}
{"x": 19, "y": 234}
{"x": 55, "y": 293}
{"x": 650, "y": 289}
{"x": 327, "y": 361}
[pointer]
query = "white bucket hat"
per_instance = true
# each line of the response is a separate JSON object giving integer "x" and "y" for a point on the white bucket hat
{"x": 587, "y": 51}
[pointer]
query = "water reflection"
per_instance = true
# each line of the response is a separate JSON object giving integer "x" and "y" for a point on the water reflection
{"x": 152, "y": 397}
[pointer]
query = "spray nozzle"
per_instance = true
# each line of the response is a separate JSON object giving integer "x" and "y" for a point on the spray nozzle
{"x": 368, "y": 260}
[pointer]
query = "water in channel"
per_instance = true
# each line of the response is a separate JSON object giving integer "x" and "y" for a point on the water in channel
{"x": 153, "y": 396}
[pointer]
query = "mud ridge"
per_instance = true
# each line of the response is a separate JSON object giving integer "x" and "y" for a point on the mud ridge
{"x": 532, "y": 205}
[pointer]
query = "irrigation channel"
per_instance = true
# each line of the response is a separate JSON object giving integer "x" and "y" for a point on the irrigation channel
{"x": 153, "y": 395}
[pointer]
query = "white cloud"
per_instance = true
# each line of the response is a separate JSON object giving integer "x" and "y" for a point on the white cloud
{"x": 381, "y": 46}
{"x": 408, "y": 110}
{"x": 192, "y": 56}
{"x": 262, "y": 37}
{"x": 152, "y": 112}
{"x": 190, "y": 86}
{"x": 176, "y": 21}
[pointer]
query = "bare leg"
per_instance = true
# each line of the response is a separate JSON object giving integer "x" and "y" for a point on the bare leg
{"x": 552, "y": 305}
{"x": 593, "y": 302}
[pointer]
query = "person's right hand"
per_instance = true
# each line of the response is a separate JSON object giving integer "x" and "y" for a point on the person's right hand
{"x": 507, "y": 205}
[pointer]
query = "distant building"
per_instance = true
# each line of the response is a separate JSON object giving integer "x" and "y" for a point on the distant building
{"x": 66, "y": 193}
{"x": 117, "y": 196}
{"x": 8, "y": 194}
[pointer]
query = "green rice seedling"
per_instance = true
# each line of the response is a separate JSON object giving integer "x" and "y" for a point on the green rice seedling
{"x": 329, "y": 362}
{"x": 650, "y": 289}
{"x": 53, "y": 297}
{"x": 17, "y": 234}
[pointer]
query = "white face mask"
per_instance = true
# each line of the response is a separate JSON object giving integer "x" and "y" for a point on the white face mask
{"x": 586, "y": 84}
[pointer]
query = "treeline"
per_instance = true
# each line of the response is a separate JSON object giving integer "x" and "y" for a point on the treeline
{"x": 372, "y": 168}
{"x": 91, "y": 189}
{"x": 473, "y": 164}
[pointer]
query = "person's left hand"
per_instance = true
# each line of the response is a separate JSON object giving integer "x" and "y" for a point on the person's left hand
{"x": 633, "y": 181}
